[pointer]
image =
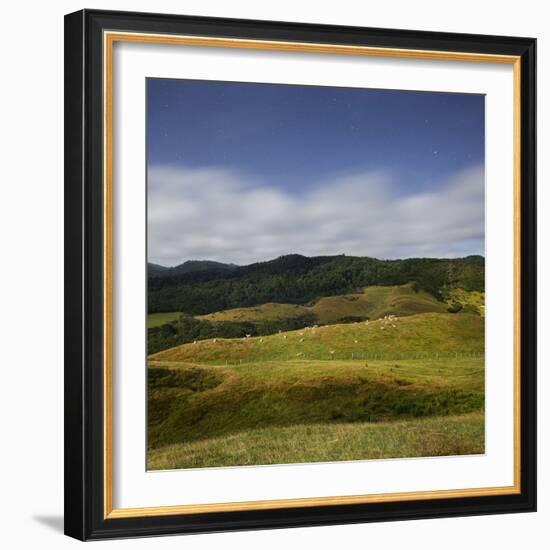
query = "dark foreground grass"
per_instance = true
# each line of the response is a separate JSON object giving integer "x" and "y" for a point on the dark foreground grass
{"x": 426, "y": 437}
{"x": 191, "y": 405}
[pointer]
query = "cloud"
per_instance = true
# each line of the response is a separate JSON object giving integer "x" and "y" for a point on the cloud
{"x": 222, "y": 215}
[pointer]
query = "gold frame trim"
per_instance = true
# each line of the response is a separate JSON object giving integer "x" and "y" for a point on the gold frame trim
{"x": 109, "y": 39}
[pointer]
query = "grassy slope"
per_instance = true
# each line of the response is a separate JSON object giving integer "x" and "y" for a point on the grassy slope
{"x": 429, "y": 332}
{"x": 158, "y": 319}
{"x": 294, "y": 401}
{"x": 441, "y": 436}
{"x": 190, "y": 403}
{"x": 474, "y": 299}
{"x": 373, "y": 302}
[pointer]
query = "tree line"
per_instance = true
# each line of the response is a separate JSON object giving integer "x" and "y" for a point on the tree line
{"x": 187, "y": 329}
{"x": 299, "y": 280}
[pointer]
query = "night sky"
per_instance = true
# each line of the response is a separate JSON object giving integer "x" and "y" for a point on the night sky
{"x": 327, "y": 166}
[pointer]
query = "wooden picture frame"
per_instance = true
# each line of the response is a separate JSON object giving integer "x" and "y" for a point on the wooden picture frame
{"x": 89, "y": 39}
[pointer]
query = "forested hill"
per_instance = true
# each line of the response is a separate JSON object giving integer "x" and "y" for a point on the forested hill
{"x": 299, "y": 279}
{"x": 190, "y": 266}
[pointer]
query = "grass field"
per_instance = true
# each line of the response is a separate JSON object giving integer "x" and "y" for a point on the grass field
{"x": 394, "y": 387}
{"x": 440, "y": 436}
{"x": 428, "y": 332}
{"x": 193, "y": 407}
{"x": 158, "y": 319}
{"x": 374, "y": 302}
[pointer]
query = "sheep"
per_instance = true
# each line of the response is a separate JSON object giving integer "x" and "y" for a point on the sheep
{"x": 195, "y": 342}
{"x": 284, "y": 336}
{"x": 301, "y": 339}
{"x": 355, "y": 342}
{"x": 261, "y": 340}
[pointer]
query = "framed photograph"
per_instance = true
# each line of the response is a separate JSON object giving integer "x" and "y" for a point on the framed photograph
{"x": 300, "y": 274}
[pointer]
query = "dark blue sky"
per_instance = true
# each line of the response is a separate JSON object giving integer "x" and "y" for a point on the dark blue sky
{"x": 245, "y": 172}
{"x": 291, "y": 136}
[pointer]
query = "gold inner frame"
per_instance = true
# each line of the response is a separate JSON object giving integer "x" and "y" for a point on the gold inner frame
{"x": 109, "y": 39}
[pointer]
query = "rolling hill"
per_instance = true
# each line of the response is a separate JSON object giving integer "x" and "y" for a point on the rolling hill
{"x": 433, "y": 332}
{"x": 259, "y": 413}
{"x": 315, "y": 359}
{"x": 373, "y": 302}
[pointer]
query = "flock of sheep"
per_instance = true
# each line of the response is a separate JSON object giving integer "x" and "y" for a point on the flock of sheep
{"x": 385, "y": 322}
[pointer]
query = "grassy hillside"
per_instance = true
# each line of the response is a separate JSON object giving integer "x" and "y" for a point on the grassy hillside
{"x": 374, "y": 302}
{"x": 441, "y": 436}
{"x": 189, "y": 403}
{"x": 428, "y": 332}
{"x": 470, "y": 301}
{"x": 159, "y": 319}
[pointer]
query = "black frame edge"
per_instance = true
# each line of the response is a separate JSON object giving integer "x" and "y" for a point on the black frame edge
{"x": 528, "y": 246}
{"x": 84, "y": 284}
{"x": 74, "y": 450}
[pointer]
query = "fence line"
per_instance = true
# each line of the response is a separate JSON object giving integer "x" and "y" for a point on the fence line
{"x": 366, "y": 356}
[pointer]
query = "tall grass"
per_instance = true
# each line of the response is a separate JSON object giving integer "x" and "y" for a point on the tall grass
{"x": 427, "y": 437}
{"x": 192, "y": 402}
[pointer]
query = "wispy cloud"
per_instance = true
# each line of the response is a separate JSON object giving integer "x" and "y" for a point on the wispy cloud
{"x": 226, "y": 216}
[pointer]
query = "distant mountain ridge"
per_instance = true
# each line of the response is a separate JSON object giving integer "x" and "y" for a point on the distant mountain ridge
{"x": 214, "y": 286}
{"x": 190, "y": 266}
